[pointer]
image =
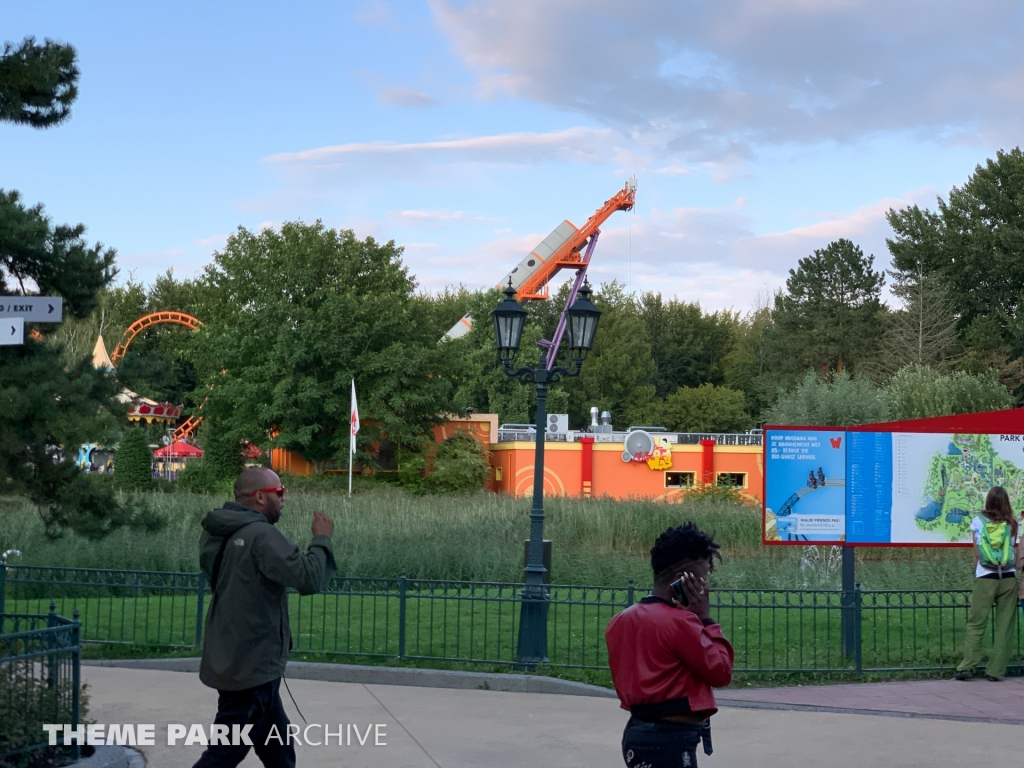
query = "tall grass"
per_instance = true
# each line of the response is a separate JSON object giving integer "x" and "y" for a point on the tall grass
{"x": 383, "y": 531}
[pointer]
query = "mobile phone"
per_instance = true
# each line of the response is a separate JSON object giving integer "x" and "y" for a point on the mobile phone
{"x": 678, "y": 593}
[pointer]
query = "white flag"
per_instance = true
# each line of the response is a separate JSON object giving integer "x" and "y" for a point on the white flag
{"x": 355, "y": 418}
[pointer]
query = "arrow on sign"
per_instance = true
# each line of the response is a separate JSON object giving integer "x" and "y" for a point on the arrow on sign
{"x": 13, "y": 332}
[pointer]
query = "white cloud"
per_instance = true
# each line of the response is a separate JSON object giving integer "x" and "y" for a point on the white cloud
{"x": 575, "y": 144}
{"x": 214, "y": 241}
{"x": 406, "y": 97}
{"x": 426, "y": 217}
{"x": 712, "y": 80}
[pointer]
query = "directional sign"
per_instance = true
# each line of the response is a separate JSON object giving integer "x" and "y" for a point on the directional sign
{"x": 12, "y": 331}
{"x": 33, "y": 309}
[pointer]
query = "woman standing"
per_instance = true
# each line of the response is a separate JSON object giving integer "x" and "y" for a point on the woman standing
{"x": 995, "y": 586}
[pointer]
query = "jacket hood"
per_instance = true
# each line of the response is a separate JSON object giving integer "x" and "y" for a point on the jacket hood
{"x": 229, "y": 518}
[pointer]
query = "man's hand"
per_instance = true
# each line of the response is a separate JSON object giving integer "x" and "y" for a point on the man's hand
{"x": 322, "y": 525}
{"x": 696, "y": 591}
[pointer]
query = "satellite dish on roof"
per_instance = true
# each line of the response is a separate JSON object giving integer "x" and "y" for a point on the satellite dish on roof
{"x": 166, "y": 439}
{"x": 637, "y": 441}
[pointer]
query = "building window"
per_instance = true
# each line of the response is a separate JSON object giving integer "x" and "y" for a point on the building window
{"x": 732, "y": 480}
{"x": 679, "y": 479}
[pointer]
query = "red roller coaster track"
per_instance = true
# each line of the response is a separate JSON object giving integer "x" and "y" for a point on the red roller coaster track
{"x": 190, "y": 424}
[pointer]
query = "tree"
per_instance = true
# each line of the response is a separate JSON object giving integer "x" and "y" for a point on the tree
{"x": 619, "y": 371}
{"x": 38, "y": 83}
{"x": 918, "y": 391}
{"x": 49, "y": 405}
{"x": 830, "y": 318}
{"x": 133, "y": 461}
{"x": 833, "y": 401}
{"x": 746, "y": 364}
{"x": 706, "y": 408}
{"x": 923, "y": 330}
{"x": 974, "y": 243}
{"x": 291, "y": 316}
{"x": 689, "y": 347}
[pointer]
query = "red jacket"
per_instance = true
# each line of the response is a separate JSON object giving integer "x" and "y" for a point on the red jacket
{"x": 665, "y": 660}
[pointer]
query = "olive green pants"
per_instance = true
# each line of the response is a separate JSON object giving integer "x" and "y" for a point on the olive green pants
{"x": 987, "y": 594}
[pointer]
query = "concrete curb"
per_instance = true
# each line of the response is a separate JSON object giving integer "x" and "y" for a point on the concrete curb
{"x": 370, "y": 675}
{"x": 112, "y": 757}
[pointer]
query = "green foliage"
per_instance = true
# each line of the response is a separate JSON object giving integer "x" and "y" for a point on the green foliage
{"x": 292, "y": 315}
{"x": 133, "y": 461}
{"x": 619, "y": 371}
{"x": 837, "y": 400}
{"x": 689, "y": 347}
{"x": 830, "y": 318}
{"x": 706, "y": 408}
{"x": 38, "y": 83}
{"x": 56, "y": 258}
{"x": 917, "y": 391}
{"x": 923, "y": 330}
{"x": 974, "y": 242}
{"x": 461, "y": 465}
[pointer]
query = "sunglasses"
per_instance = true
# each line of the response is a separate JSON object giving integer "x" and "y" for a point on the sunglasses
{"x": 279, "y": 491}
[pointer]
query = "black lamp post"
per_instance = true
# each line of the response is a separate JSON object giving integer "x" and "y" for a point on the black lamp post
{"x": 509, "y": 319}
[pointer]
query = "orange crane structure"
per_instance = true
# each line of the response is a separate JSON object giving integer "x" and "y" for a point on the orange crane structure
{"x": 562, "y": 249}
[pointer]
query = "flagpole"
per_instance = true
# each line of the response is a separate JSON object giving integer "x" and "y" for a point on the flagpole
{"x": 353, "y": 427}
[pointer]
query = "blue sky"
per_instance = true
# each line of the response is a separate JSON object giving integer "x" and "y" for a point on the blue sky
{"x": 759, "y": 130}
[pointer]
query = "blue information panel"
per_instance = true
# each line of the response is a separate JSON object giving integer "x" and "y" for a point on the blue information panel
{"x": 805, "y": 485}
{"x": 884, "y": 488}
{"x": 869, "y": 496}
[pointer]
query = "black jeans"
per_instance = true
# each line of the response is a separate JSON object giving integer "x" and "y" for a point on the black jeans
{"x": 660, "y": 745}
{"x": 261, "y": 706}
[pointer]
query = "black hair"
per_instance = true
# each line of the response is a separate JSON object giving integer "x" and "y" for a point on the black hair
{"x": 684, "y": 542}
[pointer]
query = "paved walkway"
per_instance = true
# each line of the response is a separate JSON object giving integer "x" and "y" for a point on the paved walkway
{"x": 451, "y": 728}
{"x": 976, "y": 699}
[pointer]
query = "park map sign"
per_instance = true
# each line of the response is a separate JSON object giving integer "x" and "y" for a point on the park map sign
{"x": 894, "y": 484}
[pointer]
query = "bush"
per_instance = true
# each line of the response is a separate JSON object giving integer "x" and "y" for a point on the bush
{"x": 461, "y": 465}
{"x": 706, "y": 408}
{"x": 917, "y": 391}
{"x": 835, "y": 401}
{"x": 133, "y": 461}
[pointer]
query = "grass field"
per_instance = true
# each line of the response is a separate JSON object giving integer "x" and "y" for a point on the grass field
{"x": 383, "y": 531}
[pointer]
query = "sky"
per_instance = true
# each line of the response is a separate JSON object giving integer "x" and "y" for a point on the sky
{"x": 759, "y": 130}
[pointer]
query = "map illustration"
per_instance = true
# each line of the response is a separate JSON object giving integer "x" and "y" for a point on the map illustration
{"x": 957, "y": 482}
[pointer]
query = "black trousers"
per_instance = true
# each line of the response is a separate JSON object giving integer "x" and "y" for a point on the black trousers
{"x": 660, "y": 744}
{"x": 261, "y": 706}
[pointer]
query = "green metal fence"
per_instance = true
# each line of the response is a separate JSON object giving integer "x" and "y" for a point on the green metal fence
{"x": 812, "y": 632}
{"x": 40, "y": 678}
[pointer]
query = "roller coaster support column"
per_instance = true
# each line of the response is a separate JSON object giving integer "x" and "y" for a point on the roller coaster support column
{"x": 849, "y": 602}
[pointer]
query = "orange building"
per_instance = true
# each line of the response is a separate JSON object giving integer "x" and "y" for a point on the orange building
{"x": 658, "y": 465}
{"x": 582, "y": 464}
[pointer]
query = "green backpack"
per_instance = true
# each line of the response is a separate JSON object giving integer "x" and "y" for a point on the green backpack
{"x": 995, "y": 545}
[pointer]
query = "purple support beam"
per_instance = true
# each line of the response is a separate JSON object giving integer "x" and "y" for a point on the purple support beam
{"x": 581, "y": 275}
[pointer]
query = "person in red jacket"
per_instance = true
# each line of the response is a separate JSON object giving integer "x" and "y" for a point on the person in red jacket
{"x": 666, "y": 657}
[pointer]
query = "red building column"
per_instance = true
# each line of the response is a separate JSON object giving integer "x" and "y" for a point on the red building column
{"x": 587, "y": 466}
{"x": 707, "y": 463}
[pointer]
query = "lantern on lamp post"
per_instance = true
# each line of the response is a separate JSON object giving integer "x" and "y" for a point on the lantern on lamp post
{"x": 509, "y": 320}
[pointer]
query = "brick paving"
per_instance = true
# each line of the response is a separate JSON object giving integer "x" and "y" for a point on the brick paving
{"x": 977, "y": 699}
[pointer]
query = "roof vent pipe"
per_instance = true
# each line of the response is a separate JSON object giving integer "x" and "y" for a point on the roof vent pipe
{"x": 593, "y": 416}
{"x": 606, "y": 418}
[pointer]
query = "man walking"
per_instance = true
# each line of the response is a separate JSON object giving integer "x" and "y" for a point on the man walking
{"x": 250, "y": 565}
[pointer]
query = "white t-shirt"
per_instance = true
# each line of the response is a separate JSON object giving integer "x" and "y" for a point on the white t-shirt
{"x": 979, "y": 570}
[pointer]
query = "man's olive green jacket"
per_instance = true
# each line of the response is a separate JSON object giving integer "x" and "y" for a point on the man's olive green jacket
{"x": 247, "y": 632}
